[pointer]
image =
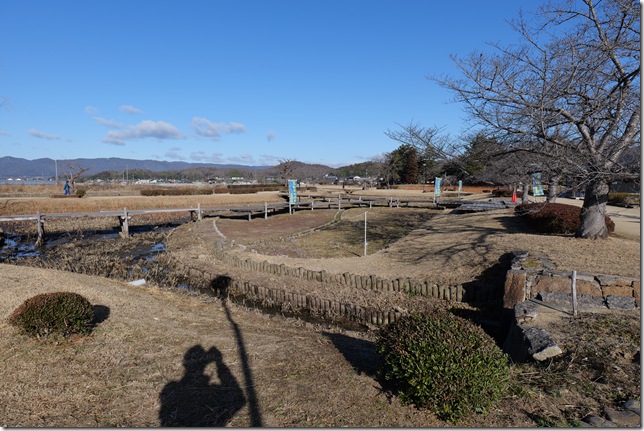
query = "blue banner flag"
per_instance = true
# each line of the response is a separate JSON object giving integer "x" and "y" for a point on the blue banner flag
{"x": 437, "y": 187}
{"x": 292, "y": 191}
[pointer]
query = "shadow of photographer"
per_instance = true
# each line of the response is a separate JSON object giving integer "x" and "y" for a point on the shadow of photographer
{"x": 194, "y": 400}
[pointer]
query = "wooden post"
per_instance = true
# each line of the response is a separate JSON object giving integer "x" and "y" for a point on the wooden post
{"x": 265, "y": 211}
{"x": 40, "y": 224}
{"x": 339, "y": 202}
{"x": 365, "y": 233}
{"x": 125, "y": 229}
{"x": 574, "y": 293}
{"x": 198, "y": 210}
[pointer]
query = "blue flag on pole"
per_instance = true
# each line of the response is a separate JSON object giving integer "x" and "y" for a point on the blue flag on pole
{"x": 437, "y": 187}
{"x": 292, "y": 191}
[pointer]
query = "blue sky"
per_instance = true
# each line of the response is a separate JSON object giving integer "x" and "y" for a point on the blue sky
{"x": 245, "y": 82}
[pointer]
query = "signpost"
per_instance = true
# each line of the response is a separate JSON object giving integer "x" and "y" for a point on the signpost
{"x": 537, "y": 189}
{"x": 292, "y": 194}
{"x": 437, "y": 188}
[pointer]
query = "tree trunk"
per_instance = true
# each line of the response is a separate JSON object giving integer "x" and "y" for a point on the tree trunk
{"x": 593, "y": 213}
{"x": 553, "y": 189}
{"x": 525, "y": 199}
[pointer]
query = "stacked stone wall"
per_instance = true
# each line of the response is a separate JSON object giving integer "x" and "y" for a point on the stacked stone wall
{"x": 534, "y": 276}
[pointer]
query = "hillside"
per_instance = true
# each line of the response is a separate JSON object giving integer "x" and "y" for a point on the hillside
{"x": 46, "y": 168}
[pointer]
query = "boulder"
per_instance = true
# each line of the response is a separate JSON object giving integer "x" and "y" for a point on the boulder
{"x": 622, "y": 418}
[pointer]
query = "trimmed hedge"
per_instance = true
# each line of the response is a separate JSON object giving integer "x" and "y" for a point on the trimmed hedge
{"x": 444, "y": 363}
{"x": 178, "y": 191}
{"x": 555, "y": 218}
{"x": 54, "y": 314}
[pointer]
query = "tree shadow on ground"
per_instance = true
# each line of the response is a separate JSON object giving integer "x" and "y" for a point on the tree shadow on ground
{"x": 194, "y": 400}
{"x": 361, "y": 354}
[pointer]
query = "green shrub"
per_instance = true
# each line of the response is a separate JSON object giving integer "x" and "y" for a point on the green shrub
{"x": 54, "y": 314}
{"x": 442, "y": 362}
{"x": 555, "y": 218}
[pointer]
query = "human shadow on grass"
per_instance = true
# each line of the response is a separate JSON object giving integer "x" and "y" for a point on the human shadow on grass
{"x": 221, "y": 287}
{"x": 195, "y": 400}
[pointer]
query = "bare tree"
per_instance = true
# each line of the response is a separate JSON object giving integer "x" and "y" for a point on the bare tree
{"x": 73, "y": 172}
{"x": 286, "y": 169}
{"x": 569, "y": 92}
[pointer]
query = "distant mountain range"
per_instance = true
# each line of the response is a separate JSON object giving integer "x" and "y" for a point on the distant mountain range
{"x": 11, "y": 167}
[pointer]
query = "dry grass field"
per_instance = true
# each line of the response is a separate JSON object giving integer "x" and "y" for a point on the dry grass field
{"x": 161, "y": 356}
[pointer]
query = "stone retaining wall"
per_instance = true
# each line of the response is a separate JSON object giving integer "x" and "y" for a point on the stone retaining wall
{"x": 532, "y": 276}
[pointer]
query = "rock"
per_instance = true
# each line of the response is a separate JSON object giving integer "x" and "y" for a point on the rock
{"x": 620, "y": 302}
{"x": 523, "y": 343}
{"x": 514, "y": 290}
{"x": 525, "y": 311}
{"x": 540, "y": 345}
{"x": 622, "y": 418}
{"x": 139, "y": 282}
{"x": 634, "y": 406}
{"x": 565, "y": 300}
{"x": 614, "y": 280}
{"x": 598, "y": 422}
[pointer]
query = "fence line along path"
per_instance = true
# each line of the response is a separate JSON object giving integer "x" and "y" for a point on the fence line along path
{"x": 305, "y": 202}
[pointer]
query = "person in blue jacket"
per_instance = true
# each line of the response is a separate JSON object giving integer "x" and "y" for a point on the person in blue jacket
{"x": 66, "y": 187}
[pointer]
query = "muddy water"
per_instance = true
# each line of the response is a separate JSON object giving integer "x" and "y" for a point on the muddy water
{"x": 102, "y": 253}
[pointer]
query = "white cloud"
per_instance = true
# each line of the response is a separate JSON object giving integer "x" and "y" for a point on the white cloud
{"x": 108, "y": 123}
{"x": 130, "y": 109}
{"x": 91, "y": 110}
{"x": 38, "y": 134}
{"x": 202, "y": 156}
{"x": 269, "y": 160}
{"x": 243, "y": 159}
{"x": 145, "y": 129}
{"x": 208, "y": 129}
{"x": 174, "y": 153}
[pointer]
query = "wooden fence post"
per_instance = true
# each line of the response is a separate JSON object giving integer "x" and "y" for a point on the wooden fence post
{"x": 125, "y": 229}
{"x": 40, "y": 224}
{"x": 574, "y": 293}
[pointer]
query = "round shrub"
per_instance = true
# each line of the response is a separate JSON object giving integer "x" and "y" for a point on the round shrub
{"x": 555, "y": 218}
{"x": 54, "y": 314}
{"x": 442, "y": 362}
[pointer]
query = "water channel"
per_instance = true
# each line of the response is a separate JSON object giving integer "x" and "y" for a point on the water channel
{"x": 140, "y": 256}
